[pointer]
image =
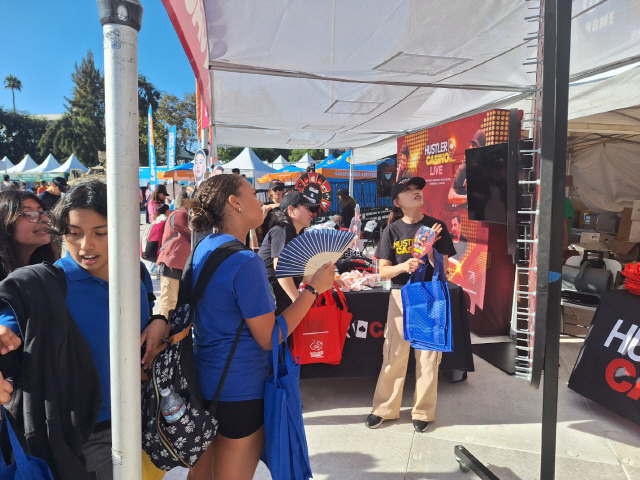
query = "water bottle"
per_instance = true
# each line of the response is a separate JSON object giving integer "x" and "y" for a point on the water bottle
{"x": 172, "y": 405}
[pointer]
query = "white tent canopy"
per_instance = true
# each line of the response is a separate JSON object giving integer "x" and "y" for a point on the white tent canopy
{"x": 25, "y": 165}
{"x": 279, "y": 163}
{"x": 249, "y": 164}
{"x": 50, "y": 164}
{"x": 305, "y": 161}
{"x": 5, "y": 164}
{"x": 72, "y": 163}
{"x": 368, "y": 71}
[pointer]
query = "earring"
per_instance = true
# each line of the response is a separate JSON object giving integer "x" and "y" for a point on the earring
{"x": 239, "y": 210}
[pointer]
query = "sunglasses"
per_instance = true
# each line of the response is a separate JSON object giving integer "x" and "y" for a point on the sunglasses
{"x": 278, "y": 189}
{"x": 33, "y": 216}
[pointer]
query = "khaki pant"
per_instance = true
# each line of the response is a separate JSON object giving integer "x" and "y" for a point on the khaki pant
{"x": 168, "y": 295}
{"x": 388, "y": 396}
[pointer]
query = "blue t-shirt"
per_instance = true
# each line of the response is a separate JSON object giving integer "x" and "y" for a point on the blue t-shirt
{"x": 88, "y": 301}
{"x": 238, "y": 289}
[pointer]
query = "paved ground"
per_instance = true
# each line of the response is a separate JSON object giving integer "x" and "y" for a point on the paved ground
{"x": 495, "y": 416}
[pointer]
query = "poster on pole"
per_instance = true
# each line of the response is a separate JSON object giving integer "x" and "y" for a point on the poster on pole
{"x": 171, "y": 147}
{"x": 153, "y": 177}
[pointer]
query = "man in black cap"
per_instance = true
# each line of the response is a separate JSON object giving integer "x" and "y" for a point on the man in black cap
{"x": 53, "y": 192}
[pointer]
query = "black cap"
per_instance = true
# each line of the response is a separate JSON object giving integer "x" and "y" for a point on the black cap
{"x": 296, "y": 198}
{"x": 403, "y": 183}
{"x": 61, "y": 183}
{"x": 276, "y": 184}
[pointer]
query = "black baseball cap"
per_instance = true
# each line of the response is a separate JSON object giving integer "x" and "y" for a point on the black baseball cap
{"x": 403, "y": 183}
{"x": 296, "y": 198}
{"x": 276, "y": 184}
{"x": 61, "y": 183}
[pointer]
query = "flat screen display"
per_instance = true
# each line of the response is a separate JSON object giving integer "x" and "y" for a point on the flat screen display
{"x": 486, "y": 171}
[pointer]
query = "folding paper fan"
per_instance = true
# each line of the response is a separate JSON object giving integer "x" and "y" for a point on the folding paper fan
{"x": 423, "y": 241}
{"x": 306, "y": 253}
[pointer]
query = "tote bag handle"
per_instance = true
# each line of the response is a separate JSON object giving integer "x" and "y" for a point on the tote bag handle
{"x": 438, "y": 269}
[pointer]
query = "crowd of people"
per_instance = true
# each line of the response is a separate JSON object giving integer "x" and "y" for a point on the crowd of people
{"x": 223, "y": 208}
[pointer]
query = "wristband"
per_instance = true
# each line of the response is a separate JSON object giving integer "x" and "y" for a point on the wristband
{"x": 157, "y": 317}
{"x": 312, "y": 290}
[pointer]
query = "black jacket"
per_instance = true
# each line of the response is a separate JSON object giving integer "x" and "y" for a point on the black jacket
{"x": 56, "y": 396}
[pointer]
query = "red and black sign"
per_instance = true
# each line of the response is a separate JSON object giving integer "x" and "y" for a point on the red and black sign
{"x": 608, "y": 368}
{"x": 314, "y": 186}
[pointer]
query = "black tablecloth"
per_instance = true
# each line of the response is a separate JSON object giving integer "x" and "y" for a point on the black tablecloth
{"x": 608, "y": 366}
{"x": 362, "y": 354}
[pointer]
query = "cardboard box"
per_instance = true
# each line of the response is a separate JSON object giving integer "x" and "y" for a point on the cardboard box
{"x": 597, "y": 237}
{"x": 587, "y": 219}
{"x": 634, "y": 232}
{"x": 625, "y": 251}
{"x": 625, "y": 225}
{"x": 635, "y": 211}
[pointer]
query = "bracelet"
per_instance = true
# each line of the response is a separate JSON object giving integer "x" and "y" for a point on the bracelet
{"x": 157, "y": 317}
{"x": 312, "y": 290}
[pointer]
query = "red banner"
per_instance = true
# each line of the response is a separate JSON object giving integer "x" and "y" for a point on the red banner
{"x": 438, "y": 154}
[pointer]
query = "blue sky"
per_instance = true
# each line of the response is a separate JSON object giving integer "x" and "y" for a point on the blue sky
{"x": 42, "y": 40}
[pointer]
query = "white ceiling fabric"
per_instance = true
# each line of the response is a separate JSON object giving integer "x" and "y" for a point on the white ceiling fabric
{"x": 355, "y": 73}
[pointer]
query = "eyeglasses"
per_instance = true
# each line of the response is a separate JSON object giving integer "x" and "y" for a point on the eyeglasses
{"x": 278, "y": 189}
{"x": 33, "y": 216}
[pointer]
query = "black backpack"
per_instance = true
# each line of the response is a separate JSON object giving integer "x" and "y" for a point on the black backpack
{"x": 182, "y": 443}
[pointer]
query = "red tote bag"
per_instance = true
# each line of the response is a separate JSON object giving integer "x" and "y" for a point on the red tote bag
{"x": 321, "y": 335}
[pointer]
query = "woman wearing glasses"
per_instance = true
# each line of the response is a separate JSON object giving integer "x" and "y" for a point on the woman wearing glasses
{"x": 25, "y": 233}
{"x": 54, "y": 339}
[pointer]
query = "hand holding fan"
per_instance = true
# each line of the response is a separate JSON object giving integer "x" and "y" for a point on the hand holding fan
{"x": 306, "y": 253}
{"x": 423, "y": 241}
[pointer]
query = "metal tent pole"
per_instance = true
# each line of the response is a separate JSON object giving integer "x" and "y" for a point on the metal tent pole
{"x": 121, "y": 21}
{"x": 553, "y": 160}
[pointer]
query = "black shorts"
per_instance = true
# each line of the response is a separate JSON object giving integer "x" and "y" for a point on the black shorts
{"x": 239, "y": 419}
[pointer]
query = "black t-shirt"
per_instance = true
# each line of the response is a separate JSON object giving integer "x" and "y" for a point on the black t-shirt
{"x": 49, "y": 199}
{"x": 347, "y": 214}
{"x": 397, "y": 240}
{"x": 266, "y": 224}
{"x": 461, "y": 248}
{"x": 273, "y": 244}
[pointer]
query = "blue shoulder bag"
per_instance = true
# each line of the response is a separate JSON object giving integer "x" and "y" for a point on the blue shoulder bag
{"x": 25, "y": 466}
{"x": 286, "y": 452}
{"x": 427, "y": 309}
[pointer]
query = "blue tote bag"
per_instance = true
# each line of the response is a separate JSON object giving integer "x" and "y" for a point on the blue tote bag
{"x": 286, "y": 452}
{"x": 427, "y": 309}
{"x": 25, "y": 466}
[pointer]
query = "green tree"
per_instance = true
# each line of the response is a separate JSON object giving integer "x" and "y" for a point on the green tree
{"x": 182, "y": 114}
{"x": 81, "y": 129}
{"x": 148, "y": 95}
{"x": 226, "y": 154}
{"x": 19, "y": 134}
{"x": 296, "y": 154}
{"x": 14, "y": 84}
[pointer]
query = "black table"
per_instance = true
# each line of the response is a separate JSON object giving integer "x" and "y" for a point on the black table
{"x": 362, "y": 354}
{"x": 608, "y": 366}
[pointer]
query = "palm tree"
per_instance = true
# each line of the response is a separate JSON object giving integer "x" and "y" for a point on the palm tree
{"x": 14, "y": 84}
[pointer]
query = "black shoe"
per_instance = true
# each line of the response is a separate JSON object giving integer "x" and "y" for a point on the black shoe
{"x": 373, "y": 421}
{"x": 458, "y": 376}
{"x": 420, "y": 426}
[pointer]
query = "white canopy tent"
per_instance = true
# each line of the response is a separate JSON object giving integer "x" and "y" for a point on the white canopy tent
{"x": 249, "y": 164}
{"x": 279, "y": 163}
{"x": 25, "y": 165}
{"x": 72, "y": 163}
{"x": 305, "y": 161}
{"x": 366, "y": 72}
{"x": 50, "y": 164}
{"x": 5, "y": 164}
